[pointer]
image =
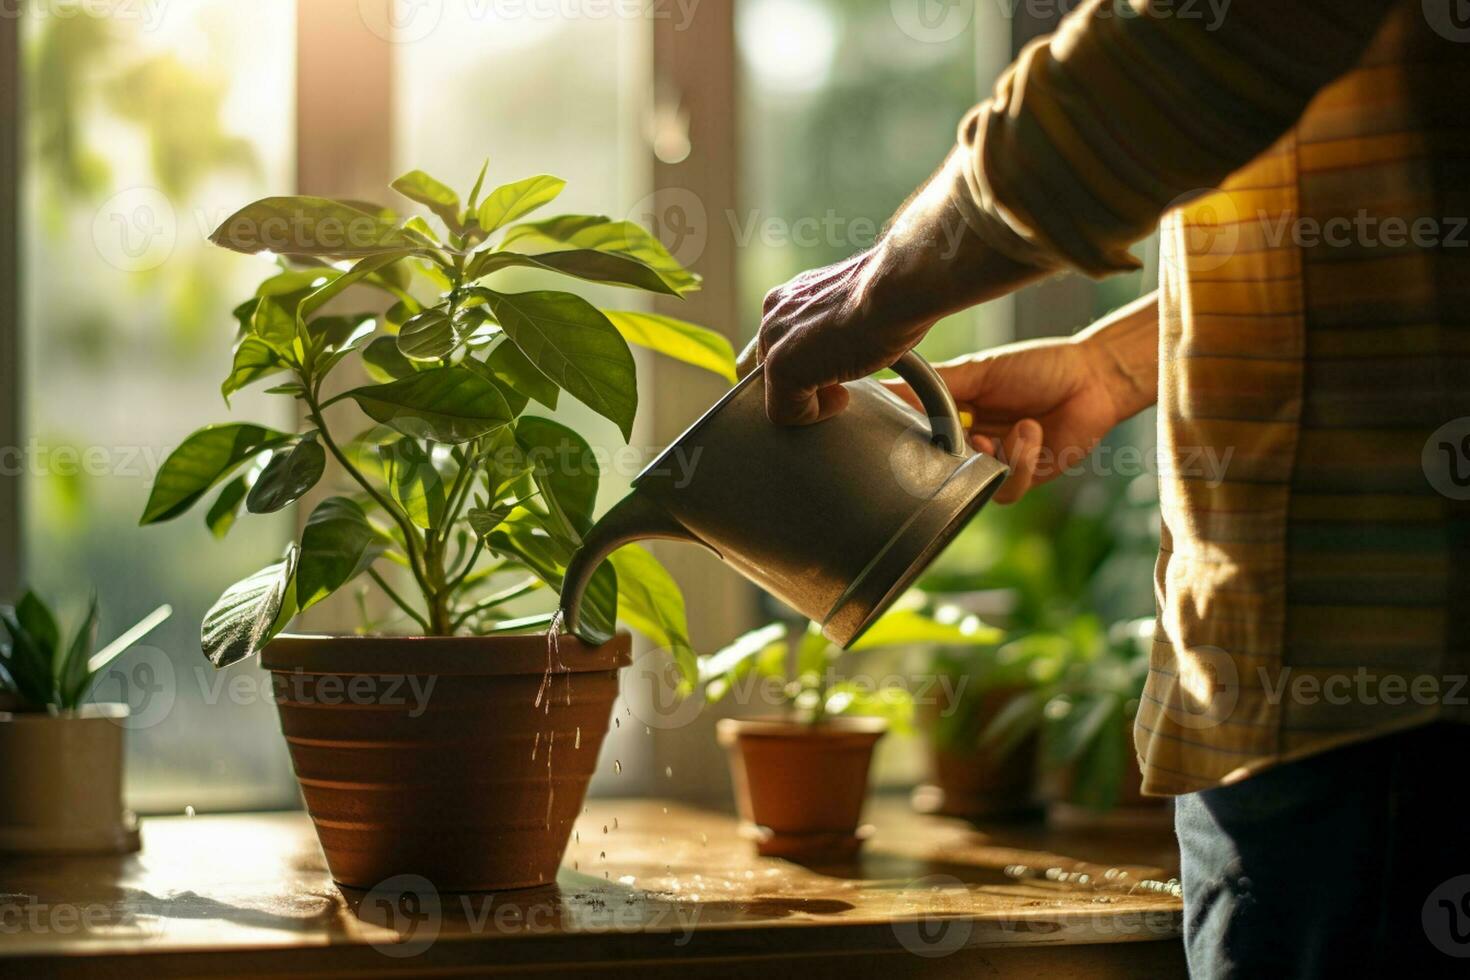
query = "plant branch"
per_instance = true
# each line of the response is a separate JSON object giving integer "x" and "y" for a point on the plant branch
{"x": 397, "y": 599}
{"x": 499, "y": 598}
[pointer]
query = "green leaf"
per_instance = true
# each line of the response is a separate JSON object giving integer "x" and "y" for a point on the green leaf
{"x": 305, "y": 225}
{"x": 244, "y": 619}
{"x": 574, "y": 345}
{"x": 473, "y": 203}
{"x": 429, "y": 336}
{"x": 37, "y": 620}
{"x": 337, "y": 544}
{"x": 254, "y": 359}
{"x": 513, "y": 398}
{"x": 611, "y": 268}
{"x": 27, "y": 666}
{"x": 448, "y": 404}
{"x": 510, "y": 201}
{"x": 514, "y": 369}
{"x": 598, "y": 233}
{"x": 201, "y": 461}
{"x": 893, "y": 704}
{"x": 414, "y": 482}
{"x": 484, "y": 520}
{"x": 677, "y": 339}
{"x": 226, "y": 507}
{"x": 906, "y": 627}
{"x": 288, "y": 475}
{"x": 649, "y": 600}
{"x": 721, "y": 669}
{"x": 384, "y": 362}
{"x": 565, "y": 470}
{"x": 363, "y": 268}
{"x": 274, "y": 321}
{"x": 419, "y": 186}
{"x": 74, "y": 677}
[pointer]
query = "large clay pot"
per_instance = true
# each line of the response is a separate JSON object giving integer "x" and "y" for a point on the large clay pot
{"x": 464, "y": 760}
{"x": 800, "y": 788}
{"x": 61, "y": 782}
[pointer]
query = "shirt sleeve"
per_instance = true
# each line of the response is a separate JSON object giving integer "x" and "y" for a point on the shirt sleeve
{"x": 1131, "y": 107}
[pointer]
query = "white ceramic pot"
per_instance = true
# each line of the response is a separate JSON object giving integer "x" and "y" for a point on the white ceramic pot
{"x": 61, "y": 783}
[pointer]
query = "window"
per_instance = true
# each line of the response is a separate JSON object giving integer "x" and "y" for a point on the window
{"x": 141, "y": 132}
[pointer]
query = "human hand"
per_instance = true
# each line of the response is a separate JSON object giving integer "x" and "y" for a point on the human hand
{"x": 1039, "y": 406}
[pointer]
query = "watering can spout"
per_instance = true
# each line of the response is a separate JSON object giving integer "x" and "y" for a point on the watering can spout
{"x": 634, "y": 518}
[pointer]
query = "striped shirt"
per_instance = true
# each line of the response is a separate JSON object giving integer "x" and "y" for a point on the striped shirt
{"x": 1307, "y": 163}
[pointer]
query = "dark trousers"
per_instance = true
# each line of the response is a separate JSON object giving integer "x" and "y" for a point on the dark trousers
{"x": 1355, "y": 862}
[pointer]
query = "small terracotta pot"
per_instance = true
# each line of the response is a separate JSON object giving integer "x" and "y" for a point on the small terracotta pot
{"x": 461, "y": 759}
{"x": 800, "y": 788}
{"x": 61, "y": 783}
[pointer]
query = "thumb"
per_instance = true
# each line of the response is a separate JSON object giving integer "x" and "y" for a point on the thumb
{"x": 791, "y": 401}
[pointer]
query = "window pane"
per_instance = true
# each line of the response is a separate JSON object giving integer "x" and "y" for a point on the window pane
{"x": 144, "y": 129}
{"x": 540, "y": 92}
{"x": 845, "y": 108}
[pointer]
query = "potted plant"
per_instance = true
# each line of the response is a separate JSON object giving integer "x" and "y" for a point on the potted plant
{"x": 61, "y": 759}
{"x": 1084, "y": 722}
{"x": 1065, "y": 553}
{"x": 801, "y": 777}
{"x": 976, "y": 778}
{"x": 460, "y": 752}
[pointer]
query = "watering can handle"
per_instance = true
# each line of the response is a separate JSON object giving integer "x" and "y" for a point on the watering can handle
{"x": 945, "y": 426}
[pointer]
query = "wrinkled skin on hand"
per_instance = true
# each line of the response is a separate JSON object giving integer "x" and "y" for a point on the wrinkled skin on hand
{"x": 825, "y": 327}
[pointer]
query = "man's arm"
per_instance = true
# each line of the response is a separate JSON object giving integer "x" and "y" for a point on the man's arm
{"x": 1090, "y": 136}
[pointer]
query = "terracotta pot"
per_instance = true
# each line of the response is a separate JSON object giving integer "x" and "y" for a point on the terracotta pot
{"x": 461, "y": 759}
{"x": 976, "y": 783}
{"x": 61, "y": 783}
{"x": 800, "y": 788}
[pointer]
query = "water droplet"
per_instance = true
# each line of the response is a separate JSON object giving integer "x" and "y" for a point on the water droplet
{"x": 604, "y": 828}
{"x": 577, "y": 742}
{"x": 617, "y": 767}
{"x": 535, "y": 745}
{"x": 602, "y": 855}
{"x": 577, "y": 836}
{"x": 189, "y": 810}
{"x": 617, "y": 723}
{"x": 668, "y": 772}
{"x": 666, "y": 809}
{"x": 615, "y": 823}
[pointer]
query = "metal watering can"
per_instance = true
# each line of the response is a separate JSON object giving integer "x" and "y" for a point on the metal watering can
{"x": 835, "y": 519}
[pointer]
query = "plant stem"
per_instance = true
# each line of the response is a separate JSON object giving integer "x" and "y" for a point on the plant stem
{"x": 415, "y": 559}
{"x": 397, "y": 599}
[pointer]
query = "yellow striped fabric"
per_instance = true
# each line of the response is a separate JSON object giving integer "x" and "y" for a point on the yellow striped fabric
{"x": 1308, "y": 165}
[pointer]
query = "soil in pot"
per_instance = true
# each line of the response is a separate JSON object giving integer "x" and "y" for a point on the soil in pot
{"x": 800, "y": 788}
{"x": 464, "y": 760}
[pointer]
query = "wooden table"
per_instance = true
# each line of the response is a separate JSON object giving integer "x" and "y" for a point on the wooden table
{"x": 647, "y": 890}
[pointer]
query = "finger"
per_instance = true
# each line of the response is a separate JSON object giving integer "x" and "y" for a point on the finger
{"x": 982, "y": 444}
{"x": 790, "y": 400}
{"x": 1021, "y": 451}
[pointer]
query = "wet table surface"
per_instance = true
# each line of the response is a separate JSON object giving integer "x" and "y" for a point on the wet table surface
{"x": 647, "y": 889}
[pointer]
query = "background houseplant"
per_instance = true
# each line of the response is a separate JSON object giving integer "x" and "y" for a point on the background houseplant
{"x": 61, "y": 759}
{"x": 457, "y": 483}
{"x": 801, "y": 777}
{"x": 1048, "y": 569}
